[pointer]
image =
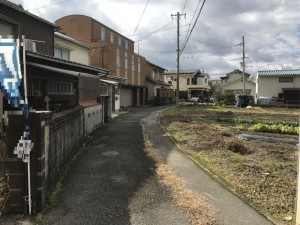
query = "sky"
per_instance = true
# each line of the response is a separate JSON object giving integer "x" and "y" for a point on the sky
{"x": 209, "y": 40}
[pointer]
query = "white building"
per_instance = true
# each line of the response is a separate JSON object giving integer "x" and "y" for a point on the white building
{"x": 233, "y": 83}
{"x": 278, "y": 86}
{"x": 192, "y": 83}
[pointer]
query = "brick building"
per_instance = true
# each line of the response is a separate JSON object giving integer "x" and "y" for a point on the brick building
{"x": 112, "y": 51}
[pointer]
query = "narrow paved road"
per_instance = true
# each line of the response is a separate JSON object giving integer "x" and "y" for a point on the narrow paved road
{"x": 232, "y": 210}
{"x": 113, "y": 182}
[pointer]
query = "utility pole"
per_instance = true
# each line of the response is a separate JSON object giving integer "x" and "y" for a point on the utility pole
{"x": 178, "y": 15}
{"x": 243, "y": 65}
{"x": 298, "y": 186}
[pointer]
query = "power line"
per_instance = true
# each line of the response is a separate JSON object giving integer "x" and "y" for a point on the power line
{"x": 159, "y": 30}
{"x": 140, "y": 18}
{"x": 173, "y": 5}
{"x": 192, "y": 20}
{"x": 187, "y": 39}
{"x": 184, "y": 6}
{"x": 56, "y": 3}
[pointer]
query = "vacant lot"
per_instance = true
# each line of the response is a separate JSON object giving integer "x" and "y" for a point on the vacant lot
{"x": 264, "y": 172}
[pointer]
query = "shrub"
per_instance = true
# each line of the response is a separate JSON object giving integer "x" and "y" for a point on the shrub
{"x": 226, "y": 99}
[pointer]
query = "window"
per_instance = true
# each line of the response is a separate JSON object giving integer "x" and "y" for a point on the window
{"x": 102, "y": 34}
{"x": 112, "y": 37}
{"x": 62, "y": 53}
{"x": 35, "y": 87}
{"x": 285, "y": 79}
{"x": 55, "y": 87}
{"x": 194, "y": 81}
{"x": 126, "y": 61}
{"x": 118, "y": 58}
{"x": 120, "y": 41}
{"x": 139, "y": 71}
{"x": 188, "y": 81}
{"x": 132, "y": 63}
{"x": 126, "y": 44}
{"x": 6, "y": 30}
{"x": 139, "y": 65}
{"x": 132, "y": 68}
{"x": 118, "y": 63}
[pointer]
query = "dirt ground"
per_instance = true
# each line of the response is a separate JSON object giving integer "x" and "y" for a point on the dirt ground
{"x": 264, "y": 172}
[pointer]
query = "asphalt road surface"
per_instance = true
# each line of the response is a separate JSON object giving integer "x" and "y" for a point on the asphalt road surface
{"x": 113, "y": 181}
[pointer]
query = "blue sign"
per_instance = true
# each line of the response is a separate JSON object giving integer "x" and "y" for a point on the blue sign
{"x": 10, "y": 73}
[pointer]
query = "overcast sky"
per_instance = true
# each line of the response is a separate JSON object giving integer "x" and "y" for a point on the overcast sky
{"x": 271, "y": 30}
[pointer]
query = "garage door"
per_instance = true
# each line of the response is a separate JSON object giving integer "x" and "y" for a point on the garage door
{"x": 126, "y": 97}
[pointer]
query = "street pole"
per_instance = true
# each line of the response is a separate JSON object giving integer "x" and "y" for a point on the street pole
{"x": 243, "y": 65}
{"x": 178, "y": 56}
{"x": 298, "y": 183}
{"x": 177, "y": 62}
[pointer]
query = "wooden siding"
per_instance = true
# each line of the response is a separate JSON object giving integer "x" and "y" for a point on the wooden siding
{"x": 32, "y": 28}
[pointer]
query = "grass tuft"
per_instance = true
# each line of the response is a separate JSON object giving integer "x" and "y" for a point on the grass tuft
{"x": 192, "y": 203}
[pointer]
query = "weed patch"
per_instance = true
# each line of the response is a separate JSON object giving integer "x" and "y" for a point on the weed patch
{"x": 192, "y": 203}
{"x": 265, "y": 172}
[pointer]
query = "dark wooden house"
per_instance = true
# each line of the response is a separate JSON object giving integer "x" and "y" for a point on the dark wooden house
{"x": 62, "y": 83}
{"x": 53, "y": 84}
{"x": 15, "y": 22}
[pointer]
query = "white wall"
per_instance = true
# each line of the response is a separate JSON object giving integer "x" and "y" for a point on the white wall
{"x": 117, "y": 102}
{"x": 78, "y": 53}
{"x": 237, "y": 87}
{"x": 234, "y": 77}
{"x": 269, "y": 86}
{"x": 92, "y": 118}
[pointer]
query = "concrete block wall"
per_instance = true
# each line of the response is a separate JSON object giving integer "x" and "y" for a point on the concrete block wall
{"x": 56, "y": 137}
{"x": 92, "y": 118}
{"x": 66, "y": 133}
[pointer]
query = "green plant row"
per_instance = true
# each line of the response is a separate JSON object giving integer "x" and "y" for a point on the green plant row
{"x": 254, "y": 121}
{"x": 280, "y": 128}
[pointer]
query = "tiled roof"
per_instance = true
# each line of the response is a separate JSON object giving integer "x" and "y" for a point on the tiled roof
{"x": 51, "y": 58}
{"x": 291, "y": 72}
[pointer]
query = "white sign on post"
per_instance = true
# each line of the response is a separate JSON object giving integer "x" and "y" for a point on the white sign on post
{"x": 23, "y": 148}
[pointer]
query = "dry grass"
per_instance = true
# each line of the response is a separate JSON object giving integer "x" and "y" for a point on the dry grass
{"x": 265, "y": 172}
{"x": 192, "y": 203}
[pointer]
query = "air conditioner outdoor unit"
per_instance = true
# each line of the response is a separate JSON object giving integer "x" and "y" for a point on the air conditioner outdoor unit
{"x": 31, "y": 46}
{"x": 103, "y": 90}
